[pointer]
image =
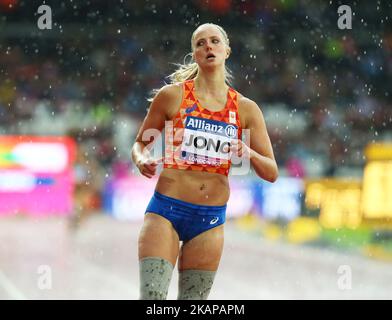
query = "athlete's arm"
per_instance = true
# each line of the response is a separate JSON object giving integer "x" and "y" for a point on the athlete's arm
{"x": 260, "y": 151}
{"x": 162, "y": 108}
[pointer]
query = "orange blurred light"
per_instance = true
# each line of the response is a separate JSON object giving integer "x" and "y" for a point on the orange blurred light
{"x": 217, "y": 6}
{"x": 8, "y": 5}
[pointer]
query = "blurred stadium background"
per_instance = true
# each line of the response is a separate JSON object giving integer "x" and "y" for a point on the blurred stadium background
{"x": 73, "y": 97}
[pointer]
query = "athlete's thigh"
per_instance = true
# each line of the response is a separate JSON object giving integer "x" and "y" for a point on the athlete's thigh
{"x": 158, "y": 238}
{"x": 204, "y": 251}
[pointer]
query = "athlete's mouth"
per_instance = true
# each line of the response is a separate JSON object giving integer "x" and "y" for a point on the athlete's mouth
{"x": 210, "y": 55}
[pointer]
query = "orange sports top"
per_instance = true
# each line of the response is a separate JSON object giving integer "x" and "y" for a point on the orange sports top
{"x": 197, "y": 138}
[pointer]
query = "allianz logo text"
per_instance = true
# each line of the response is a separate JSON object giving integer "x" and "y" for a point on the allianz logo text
{"x": 211, "y": 126}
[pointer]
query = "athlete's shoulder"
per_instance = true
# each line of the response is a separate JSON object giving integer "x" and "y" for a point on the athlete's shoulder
{"x": 170, "y": 91}
{"x": 168, "y": 99}
{"x": 246, "y": 104}
{"x": 247, "y": 110}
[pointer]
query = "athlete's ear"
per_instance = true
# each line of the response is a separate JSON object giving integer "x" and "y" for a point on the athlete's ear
{"x": 228, "y": 51}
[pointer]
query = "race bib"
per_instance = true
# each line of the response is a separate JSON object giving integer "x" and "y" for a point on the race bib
{"x": 206, "y": 141}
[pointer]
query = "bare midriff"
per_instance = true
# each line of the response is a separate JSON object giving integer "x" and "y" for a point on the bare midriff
{"x": 202, "y": 188}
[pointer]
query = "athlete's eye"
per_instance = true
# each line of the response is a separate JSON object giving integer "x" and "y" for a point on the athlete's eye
{"x": 215, "y": 40}
{"x": 200, "y": 43}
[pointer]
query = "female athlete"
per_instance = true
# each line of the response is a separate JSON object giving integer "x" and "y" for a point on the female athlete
{"x": 203, "y": 118}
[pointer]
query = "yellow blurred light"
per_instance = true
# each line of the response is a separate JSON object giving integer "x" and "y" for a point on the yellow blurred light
{"x": 314, "y": 193}
{"x": 338, "y": 200}
{"x": 249, "y": 222}
{"x": 378, "y": 151}
{"x": 273, "y": 232}
{"x": 340, "y": 208}
{"x": 377, "y": 190}
{"x": 303, "y": 230}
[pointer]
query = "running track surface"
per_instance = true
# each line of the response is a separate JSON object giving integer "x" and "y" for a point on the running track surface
{"x": 99, "y": 261}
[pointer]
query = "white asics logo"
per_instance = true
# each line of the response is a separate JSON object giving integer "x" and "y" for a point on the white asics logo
{"x": 215, "y": 220}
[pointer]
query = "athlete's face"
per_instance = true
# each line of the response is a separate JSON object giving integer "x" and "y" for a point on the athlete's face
{"x": 209, "y": 47}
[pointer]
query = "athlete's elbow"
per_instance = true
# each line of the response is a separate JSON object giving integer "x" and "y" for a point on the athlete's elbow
{"x": 272, "y": 174}
{"x": 136, "y": 150}
{"x": 273, "y": 178}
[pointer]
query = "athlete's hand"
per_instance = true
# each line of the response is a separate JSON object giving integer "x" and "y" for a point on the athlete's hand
{"x": 148, "y": 166}
{"x": 239, "y": 149}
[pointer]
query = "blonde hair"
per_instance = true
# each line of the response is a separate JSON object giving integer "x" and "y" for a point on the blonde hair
{"x": 189, "y": 70}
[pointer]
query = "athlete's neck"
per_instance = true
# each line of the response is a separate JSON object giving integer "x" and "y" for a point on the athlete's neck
{"x": 211, "y": 83}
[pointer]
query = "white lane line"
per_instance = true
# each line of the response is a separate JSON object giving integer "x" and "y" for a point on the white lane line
{"x": 10, "y": 288}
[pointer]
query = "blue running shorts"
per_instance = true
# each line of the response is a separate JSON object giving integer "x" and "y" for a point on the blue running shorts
{"x": 188, "y": 219}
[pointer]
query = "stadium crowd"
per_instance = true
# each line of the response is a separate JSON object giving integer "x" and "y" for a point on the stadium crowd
{"x": 324, "y": 92}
